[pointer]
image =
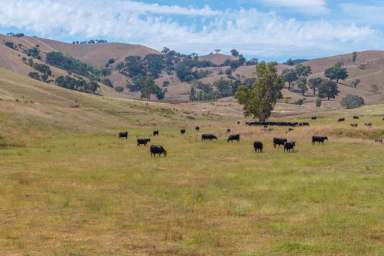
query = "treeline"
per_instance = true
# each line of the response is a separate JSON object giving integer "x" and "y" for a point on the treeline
{"x": 147, "y": 87}
{"x": 298, "y": 78}
{"x": 43, "y": 72}
{"x": 186, "y": 67}
{"x": 77, "y": 84}
{"x": 219, "y": 89}
{"x": 70, "y": 64}
{"x": 97, "y": 41}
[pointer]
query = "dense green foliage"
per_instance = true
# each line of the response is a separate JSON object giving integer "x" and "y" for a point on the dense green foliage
{"x": 352, "y": 101}
{"x": 337, "y": 73}
{"x": 10, "y": 45}
{"x": 33, "y": 52}
{"x": 328, "y": 89}
{"x": 77, "y": 84}
{"x": 147, "y": 87}
{"x": 298, "y": 75}
{"x": 314, "y": 84}
{"x": 58, "y": 59}
{"x": 34, "y": 75}
{"x": 289, "y": 76}
{"x": 293, "y": 62}
{"x": 260, "y": 99}
{"x": 219, "y": 89}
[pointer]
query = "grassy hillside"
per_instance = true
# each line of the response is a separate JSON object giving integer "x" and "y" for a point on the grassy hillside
{"x": 69, "y": 186}
{"x": 367, "y": 68}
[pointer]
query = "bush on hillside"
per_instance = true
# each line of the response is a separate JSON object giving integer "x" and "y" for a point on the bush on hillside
{"x": 34, "y": 75}
{"x": 77, "y": 84}
{"x": 352, "y": 101}
{"x": 72, "y": 65}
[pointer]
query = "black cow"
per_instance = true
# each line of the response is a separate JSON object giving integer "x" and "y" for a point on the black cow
{"x": 156, "y": 133}
{"x": 314, "y": 118}
{"x": 341, "y": 120}
{"x": 158, "y": 150}
{"x": 205, "y": 137}
{"x": 354, "y": 125}
{"x": 197, "y": 128}
{"x": 183, "y": 131}
{"x": 368, "y": 124}
{"x": 258, "y": 146}
{"x": 238, "y": 122}
{"x": 123, "y": 135}
{"x": 356, "y": 117}
{"x": 143, "y": 142}
{"x": 380, "y": 141}
{"x": 279, "y": 142}
{"x": 289, "y": 146}
{"x": 234, "y": 137}
{"x": 319, "y": 139}
{"x": 228, "y": 130}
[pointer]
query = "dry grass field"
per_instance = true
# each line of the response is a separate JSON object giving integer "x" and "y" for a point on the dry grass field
{"x": 69, "y": 186}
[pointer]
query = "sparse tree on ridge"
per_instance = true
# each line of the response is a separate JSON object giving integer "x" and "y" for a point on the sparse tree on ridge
{"x": 302, "y": 85}
{"x": 314, "y": 84}
{"x": 259, "y": 99}
{"x": 336, "y": 73}
{"x": 303, "y": 70}
{"x": 328, "y": 89}
{"x": 289, "y": 76}
{"x": 235, "y": 53}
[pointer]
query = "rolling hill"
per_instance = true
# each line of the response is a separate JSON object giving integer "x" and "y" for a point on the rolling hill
{"x": 368, "y": 68}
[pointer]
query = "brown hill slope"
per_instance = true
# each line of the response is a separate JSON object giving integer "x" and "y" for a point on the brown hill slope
{"x": 93, "y": 54}
{"x": 98, "y": 54}
{"x": 217, "y": 58}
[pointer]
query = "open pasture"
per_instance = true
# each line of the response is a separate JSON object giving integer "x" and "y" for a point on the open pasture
{"x": 91, "y": 193}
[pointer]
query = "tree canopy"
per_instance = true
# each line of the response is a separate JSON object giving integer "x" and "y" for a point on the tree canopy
{"x": 337, "y": 73}
{"x": 328, "y": 89}
{"x": 260, "y": 98}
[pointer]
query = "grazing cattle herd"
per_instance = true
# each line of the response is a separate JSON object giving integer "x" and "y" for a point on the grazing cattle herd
{"x": 288, "y": 146}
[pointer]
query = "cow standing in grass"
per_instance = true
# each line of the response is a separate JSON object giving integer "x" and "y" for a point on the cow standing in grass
{"x": 211, "y": 137}
{"x": 157, "y": 150}
{"x": 123, "y": 135}
{"x": 258, "y": 146}
{"x": 319, "y": 139}
{"x": 235, "y": 137}
{"x": 156, "y": 133}
{"x": 143, "y": 142}
{"x": 183, "y": 131}
{"x": 279, "y": 142}
{"x": 289, "y": 146}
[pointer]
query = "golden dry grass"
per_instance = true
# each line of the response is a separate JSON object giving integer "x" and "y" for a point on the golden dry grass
{"x": 69, "y": 186}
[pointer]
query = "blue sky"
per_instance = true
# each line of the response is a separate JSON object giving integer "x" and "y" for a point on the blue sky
{"x": 267, "y": 29}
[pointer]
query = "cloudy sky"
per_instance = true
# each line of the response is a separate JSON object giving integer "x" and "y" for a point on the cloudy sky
{"x": 268, "y": 29}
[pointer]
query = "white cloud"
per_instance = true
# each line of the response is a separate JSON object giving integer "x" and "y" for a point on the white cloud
{"x": 308, "y": 6}
{"x": 185, "y": 29}
{"x": 365, "y": 13}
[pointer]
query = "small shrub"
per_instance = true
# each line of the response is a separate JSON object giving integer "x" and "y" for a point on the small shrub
{"x": 10, "y": 45}
{"x": 34, "y": 75}
{"x": 352, "y": 101}
{"x": 119, "y": 88}
{"x": 299, "y": 102}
